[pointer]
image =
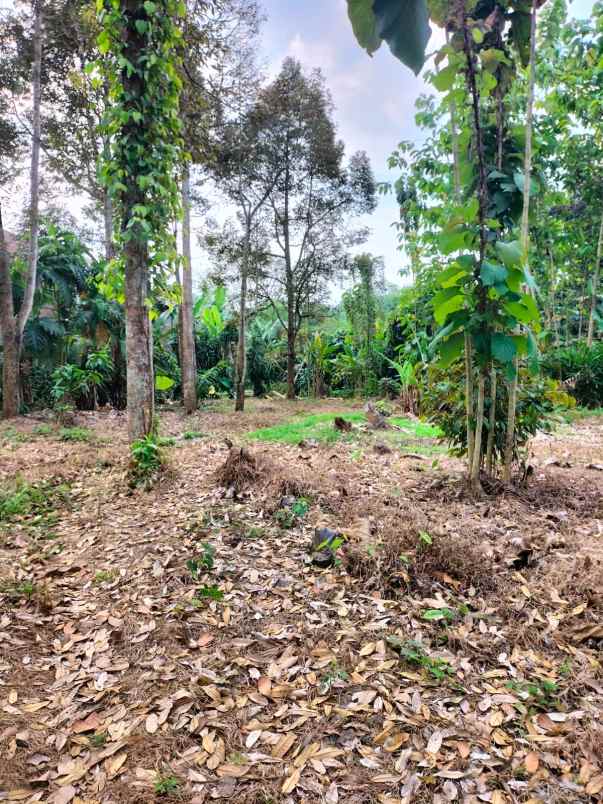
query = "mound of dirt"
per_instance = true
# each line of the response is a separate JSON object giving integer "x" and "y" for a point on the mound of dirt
{"x": 240, "y": 470}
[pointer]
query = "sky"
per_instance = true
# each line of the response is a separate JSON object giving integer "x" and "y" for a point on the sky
{"x": 374, "y": 97}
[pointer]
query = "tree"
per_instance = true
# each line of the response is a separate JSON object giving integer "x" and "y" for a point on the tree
{"x": 480, "y": 303}
{"x": 13, "y": 322}
{"x": 139, "y": 41}
{"x": 310, "y": 194}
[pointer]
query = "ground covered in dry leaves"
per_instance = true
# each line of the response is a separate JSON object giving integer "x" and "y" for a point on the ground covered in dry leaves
{"x": 179, "y": 644}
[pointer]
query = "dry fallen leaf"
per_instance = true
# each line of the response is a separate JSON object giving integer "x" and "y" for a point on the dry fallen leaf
{"x": 531, "y": 762}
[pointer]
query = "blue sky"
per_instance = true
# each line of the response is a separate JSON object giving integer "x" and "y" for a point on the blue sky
{"x": 374, "y": 97}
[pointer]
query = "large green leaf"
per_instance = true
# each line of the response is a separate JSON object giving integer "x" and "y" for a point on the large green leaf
{"x": 452, "y": 240}
{"x": 493, "y": 274}
{"x": 504, "y": 348}
{"x": 451, "y": 349}
{"x": 364, "y": 24}
{"x": 163, "y": 383}
{"x": 445, "y": 308}
{"x": 404, "y": 24}
{"x": 509, "y": 253}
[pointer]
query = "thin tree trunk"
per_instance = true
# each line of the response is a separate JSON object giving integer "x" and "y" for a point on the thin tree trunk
{"x": 34, "y": 178}
{"x": 595, "y": 288}
{"x": 8, "y": 327}
{"x": 108, "y": 223}
{"x": 13, "y": 326}
{"x": 525, "y": 238}
{"x": 491, "y": 422}
{"x": 291, "y": 323}
{"x": 188, "y": 361}
{"x": 469, "y": 406}
{"x": 241, "y": 370}
{"x": 482, "y": 194}
{"x": 476, "y": 485}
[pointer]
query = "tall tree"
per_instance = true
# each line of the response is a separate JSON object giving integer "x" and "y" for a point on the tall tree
{"x": 13, "y": 322}
{"x": 140, "y": 42}
{"x": 311, "y": 193}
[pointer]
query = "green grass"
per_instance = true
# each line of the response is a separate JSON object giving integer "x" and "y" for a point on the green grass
{"x": 320, "y": 428}
{"x": 582, "y": 413}
{"x": 75, "y": 434}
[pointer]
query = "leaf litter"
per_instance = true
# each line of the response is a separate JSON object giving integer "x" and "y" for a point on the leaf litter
{"x": 450, "y": 652}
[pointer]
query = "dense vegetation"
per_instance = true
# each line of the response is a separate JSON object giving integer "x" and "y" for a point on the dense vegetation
{"x": 499, "y": 323}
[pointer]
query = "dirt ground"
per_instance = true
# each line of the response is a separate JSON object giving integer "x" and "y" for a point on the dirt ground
{"x": 179, "y": 644}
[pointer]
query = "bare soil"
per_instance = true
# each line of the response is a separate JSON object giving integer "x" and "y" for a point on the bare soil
{"x": 451, "y": 653}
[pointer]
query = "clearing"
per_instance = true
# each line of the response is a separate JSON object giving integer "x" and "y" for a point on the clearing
{"x": 179, "y": 644}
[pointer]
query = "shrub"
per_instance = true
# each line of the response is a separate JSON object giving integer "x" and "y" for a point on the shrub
{"x": 215, "y": 381}
{"x": 146, "y": 460}
{"x": 580, "y": 369}
{"x": 444, "y": 404}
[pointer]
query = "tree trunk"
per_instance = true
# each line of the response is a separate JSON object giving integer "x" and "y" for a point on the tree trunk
{"x": 241, "y": 368}
{"x": 595, "y": 288}
{"x": 108, "y": 222}
{"x": 291, "y": 322}
{"x": 141, "y": 395}
{"x": 188, "y": 360}
{"x": 476, "y": 485}
{"x": 291, "y": 332}
{"x": 8, "y": 327}
{"x": 525, "y": 238}
{"x": 491, "y": 423}
{"x": 469, "y": 406}
{"x": 14, "y": 326}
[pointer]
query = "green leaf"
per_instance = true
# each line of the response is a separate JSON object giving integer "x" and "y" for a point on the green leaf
{"x": 364, "y": 24}
{"x": 451, "y": 305}
{"x": 451, "y": 241}
{"x": 450, "y": 276}
{"x": 405, "y": 28}
{"x": 521, "y": 312}
{"x": 503, "y": 347}
{"x": 509, "y": 253}
{"x": 104, "y": 42}
{"x": 141, "y": 26}
{"x": 515, "y": 280}
{"x": 444, "y": 80}
{"x": 492, "y": 274}
{"x": 150, "y": 7}
{"x": 163, "y": 383}
{"x": 451, "y": 349}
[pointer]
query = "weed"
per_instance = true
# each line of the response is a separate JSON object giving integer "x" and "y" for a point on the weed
{"x": 21, "y": 499}
{"x": 205, "y": 561}
{"x": 445, "y": 614}
{"x": 105, "y": 576}
{"x": 208, "y": 593}
{"x": 334, "y": 674}
{"x": 191, "y": 435}
{"x": 146, "y": 460}
{"x": 566, "y": 668}
{"x": 42, "y": 430}
{"x": 12, "y": 436}
{"x": 75, "y": 434}
{"x": 288, "y": 517}
{"x": 98, "y": 740}
{"x": 17, "y": 591}
{"x": 413, "y": 653}
{"x": 237, "y": 758}
{"x": 541, "y": 693}
{"x": 425, "y": 539}
{"x": 166, "y": 441}
{"x": 255, "y": 533}
{"x": 166, "y": 785}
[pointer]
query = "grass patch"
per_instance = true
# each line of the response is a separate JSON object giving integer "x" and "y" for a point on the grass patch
{"x": 20, "y": 499}
{"x": 9, "y": 435}
{"x": 75, "y": 434}
{"x": 577, "y": 414}
{"x": 320, "y": 427}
